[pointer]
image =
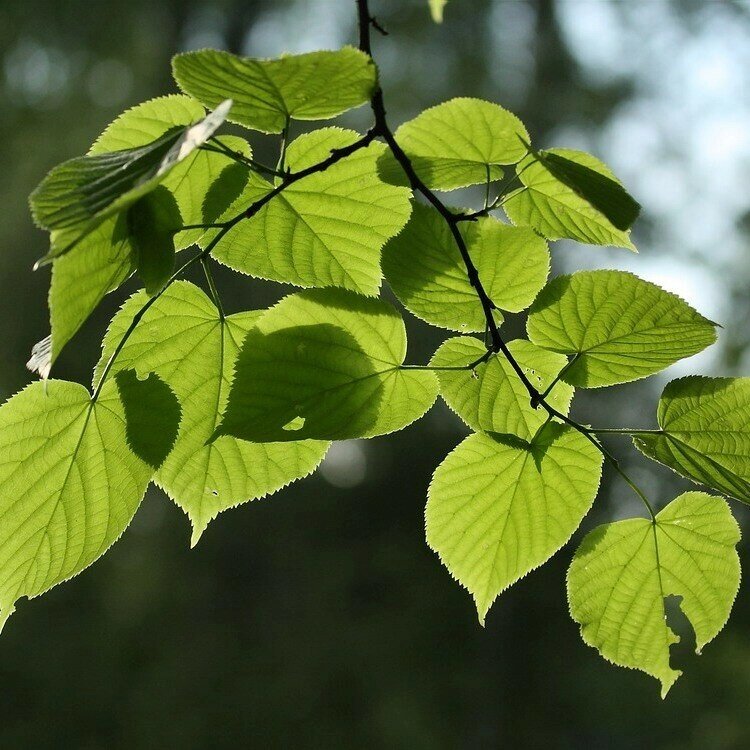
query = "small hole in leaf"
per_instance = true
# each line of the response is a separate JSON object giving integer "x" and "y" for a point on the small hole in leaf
{"x": 297, "y": 423}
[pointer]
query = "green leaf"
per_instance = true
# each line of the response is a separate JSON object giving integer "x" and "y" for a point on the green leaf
{"x": 205, "y": 183}
{"x": 458, "y": 143}
{"x": 606, "y": 195}
{"x": 556, "y": 210}
{"x": 76, "y": 196}
{"x": 704, "y": 433}
{"x": 147, "y": 122}
{"x": 327, "y": 229}
{"x": 492, "y": 398}
{"x": 208, "y": 187}
{"x": 325, "y": 364}
{"x": 618, "y": 327}
{"x": 71, "y": 484}
{"x": 268, "y": 93}
{"x": 500, "y": 507}
{"x": 105, "y": 258}
{"x": 622, "y": 572}
{"x": 424, "y": 268}
{"x": 183, "y": 339}
{"x": 153, "y": 221}
{"x": 80, "y": 280}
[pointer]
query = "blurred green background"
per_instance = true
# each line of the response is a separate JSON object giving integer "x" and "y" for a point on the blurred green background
{"x": 318, "y": 618}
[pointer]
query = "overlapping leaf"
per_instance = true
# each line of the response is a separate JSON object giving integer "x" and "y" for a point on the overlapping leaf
{"x": 603, "y": 193}
{"x": 500, "y": 507}
{"x": 618, "y": 327}
{"x": 78, "y": 195}
{"x": 183, "y": 339}
{"x": 71, "y": 476}
{"x": 424, "y": 267}
{"x": 622, "y": 572}
{"x": 704, "y": 433}
{"x": 106, "y": 257}
{"x": 268, "y": 93}
{"x": 327, "y": 229}
{"x": 556, "y": 210}
{"x": 152, "y": 223}
{"x": 491, "y": 396}
{"x": 325, "y": 364}
{"x": 460, "y": 142}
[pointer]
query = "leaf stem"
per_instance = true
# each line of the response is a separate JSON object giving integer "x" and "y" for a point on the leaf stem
{"x": 147, "y": 305}
{"x": 496, "y": 343}
{"x": 282, "y": 150}
{"x": 623, "y": 431}
{"x": 240, "y": 158}
{"x": 559, "y": 375}
{"x": 212, "y": 287}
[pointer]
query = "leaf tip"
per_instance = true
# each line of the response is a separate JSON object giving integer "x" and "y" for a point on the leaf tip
{"x": 197, "y": 533}
{"x": 5, "y": 612}
{"x": 668, "y": 680}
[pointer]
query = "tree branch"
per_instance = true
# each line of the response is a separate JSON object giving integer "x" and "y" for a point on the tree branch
{"x": 496, "y": 343}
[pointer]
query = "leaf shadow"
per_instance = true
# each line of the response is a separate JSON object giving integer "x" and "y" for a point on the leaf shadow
{"x": 302, "y": 382}
{"x": 152, "y": 415}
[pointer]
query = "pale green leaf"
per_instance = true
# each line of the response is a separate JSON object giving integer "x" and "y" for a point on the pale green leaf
{"x": 500, "y": 507}
{"x": 81, "y": 279}
{"x": 491, "y": 397}
{"x": 146, "y": 122}
{"x": 603, "y": 193}
{"x": 327, "y": 229}
{"x": 183, "y": 340}
{"x": 556, "y": 210}
{"x": 268, "y": 93}
{"x": 106, "y": 257}
{"x": 205, "y": 184}
{"x": 622, "y": 571}
{"x": 78, "y": 195}
{"x": 618, "y": 327}
{"x": 704, "y": 433}
{"x": 424, "y": 268}
{"x": 457, "y": 143}
{"x": 71, "y": 484}
{"x": 325, "y": 364}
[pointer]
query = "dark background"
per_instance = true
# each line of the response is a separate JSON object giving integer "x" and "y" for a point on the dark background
{"x": 318, "y": 618}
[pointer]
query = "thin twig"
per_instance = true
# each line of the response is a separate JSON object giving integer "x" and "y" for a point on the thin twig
{"x": 496, "y": 343}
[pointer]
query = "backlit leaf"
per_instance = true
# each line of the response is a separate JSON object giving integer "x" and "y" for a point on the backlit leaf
{"x": 605, "y": 194}
{"x": 183, "y": 339}
{"x": 556, "y": 210}
{"x": 106, "y": 257}
{"x": 76, "y": 196}
{"x": 491, "y": 397}
{"x": 327, "y": 229}
{"x": 618, "y": 327}
{"x": 500, "y": 507}
{"x": 458, "y": 143}
{"x": 424, "y": 268}
{"x": 622, "y": 572}
{"x": 268, "y": 93}
{"x": 71, "y": 484}
{"x": 704, "y": 433}
{"x": 325, "y": 364}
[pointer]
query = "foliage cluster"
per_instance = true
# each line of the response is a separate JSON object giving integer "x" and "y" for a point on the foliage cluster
{"x": 220, "y": 409}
